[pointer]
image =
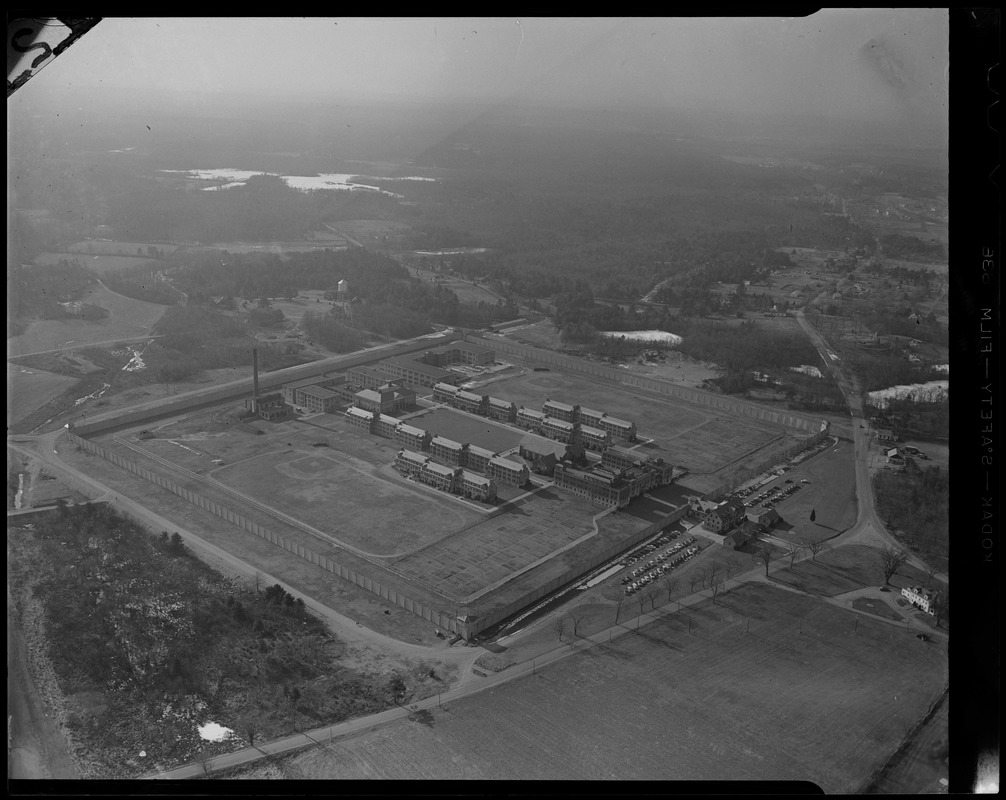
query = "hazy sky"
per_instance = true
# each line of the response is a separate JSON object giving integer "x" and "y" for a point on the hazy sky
{"x": 888, "y": 64}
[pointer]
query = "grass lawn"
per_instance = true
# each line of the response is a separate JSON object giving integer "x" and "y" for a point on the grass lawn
{"x": 127, "y": 318}
{"x": 752, "y": 693}
{"x": 29, "y": 389}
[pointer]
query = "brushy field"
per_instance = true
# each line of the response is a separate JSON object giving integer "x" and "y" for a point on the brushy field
{"x": 147, "y": 644}
{"x": 756, "y": 691}
{"x": 109, "y": 248}
{"x": 127, "y": 318}
{"x": 99, "y": 263}
{"x": 29, "y": 389}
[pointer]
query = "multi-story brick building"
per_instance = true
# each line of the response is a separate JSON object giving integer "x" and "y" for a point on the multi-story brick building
{"x": 459, "y": 352}
{"x": 558, "y": 430}
{"x": 477, "y": 458}
{"x": 502, "y": 470}
{"x": 316, "y": 400}
{"x": 447, "y": 450}
{"x": 725, "y": 516}
{"x": 472, "y": 403}
{"x": 439, "y": 476}
{"x": 360, "y": 418}
{"x": 412, "y": 437}
{"x": 529, "y": 419}
{"x": 364, "y": 377}
{"x": 593, "y": 438}
{"x": 600, "y": 486}
{"x": 556, "y": 410}
{"x": 475, "y": 486}
{"x": 416, "y": 373}
{"x": 502, "y": 410}
{"x": 445, "y": 393}
{"x": 409, "y": 462}
{"x": 385, "y": 399}
{"x": 383, "y": 425}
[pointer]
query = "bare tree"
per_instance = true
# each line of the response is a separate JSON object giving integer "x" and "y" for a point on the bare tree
{"x": 559, "y": 627}
{"x": 940, "y": 604}
{"x": 891, "y": 560}
{"x": 717, "y": 586}
{"x": 618, "y": 607}
{"x": 641, "y": 599}
{"x": 258, "y": 581}
{"x": 794, "y": 551}
{"x": 651, "y": 595}
{"x": 763, "y": 554}
{"x": 702, "y": 576}
{"x": 250, "y": 727}
{"x": 930, "y": 574}
{"x": 815, "y": 548}
{"x": 693, "y": 578}
{"x": 577, "y": 618}
{"x": 670, "y": 584}
{"x": 713, "y": 574}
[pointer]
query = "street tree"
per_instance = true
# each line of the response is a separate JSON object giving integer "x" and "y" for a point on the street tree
{"x": 815, "y": 548}
{"x": 559, "y": 627}
{"x": 813, "y": 514}
{"x": 651, "y": 595}
{"x": 793, "y": 552}
{"x": 717, "y": 586}
{"x": 763, "y": 554}
{"x": 930, "y": 574}
{"x": 670, "y": 584}
{"x": 576, "y": 617}
{"x": 891, "y": 560}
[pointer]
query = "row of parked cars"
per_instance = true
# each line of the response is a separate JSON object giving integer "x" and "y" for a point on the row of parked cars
{"x": 770, "y": 497}
{"x": 673, "y": 561}
{"x": 642, "y": 552}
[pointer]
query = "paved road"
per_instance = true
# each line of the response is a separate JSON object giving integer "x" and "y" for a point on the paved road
{"x": 83, "y": 345}
{"x": 868, "y": 529}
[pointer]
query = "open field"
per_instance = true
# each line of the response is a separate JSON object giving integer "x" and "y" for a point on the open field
{"x": 831, "y": 493}
{"x": 28, "y": 389}
{"x": 753, "y": 693}
{"x": 845, "y": 568}
{"x": 110, "y": 248}
{"x": 528, "y": 530}
{"x": 358, "y": 506}
{"x": 100, "y": 263}
{"x": 466, "y": 291}
{"x": 468, "y": 428}
{"x": 127, "y": 318}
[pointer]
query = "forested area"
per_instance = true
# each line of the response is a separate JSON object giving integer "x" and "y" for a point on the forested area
{"x": 929, "y": 419}
{"x": 37, "y": 291}
{"x": 142, "y": 283}
{"x": 897, "y": 245}
{"x": 916, "y": 502}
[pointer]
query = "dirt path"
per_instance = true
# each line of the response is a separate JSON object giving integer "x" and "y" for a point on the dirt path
{"x": 36, "y": 748}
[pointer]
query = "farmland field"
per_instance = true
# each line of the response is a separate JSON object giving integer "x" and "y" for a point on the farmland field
{"x": 755, "y": 692}
{"x": 127, "y": 318}
{"x": 468, "y": 428}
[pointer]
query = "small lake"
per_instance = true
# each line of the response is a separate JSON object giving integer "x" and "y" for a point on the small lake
{"x": 227, "y": 178}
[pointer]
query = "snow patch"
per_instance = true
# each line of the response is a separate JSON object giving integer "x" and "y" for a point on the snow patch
{"x": 917, "y": 392}
{"x": 662, "y": 337}
{"x": 212, "y": 732}
{"x": 807, "y": 369}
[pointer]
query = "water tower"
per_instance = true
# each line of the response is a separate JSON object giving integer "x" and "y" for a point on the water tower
{"x": 341, "y": 309}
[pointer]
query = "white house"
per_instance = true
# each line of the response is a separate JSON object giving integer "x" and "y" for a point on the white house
{"x": 920, "y": 597}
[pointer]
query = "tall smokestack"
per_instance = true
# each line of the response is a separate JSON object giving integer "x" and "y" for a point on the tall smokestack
{"x": 255, "y": 377}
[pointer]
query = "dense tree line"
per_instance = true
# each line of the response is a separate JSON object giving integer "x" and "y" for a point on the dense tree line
{"x": 917, "y": 503}
{"x": 332, "y": 334}
{"x": 898, "y": 245}
{"x": 142, "y": 283}
{"x": 37, "y": 290}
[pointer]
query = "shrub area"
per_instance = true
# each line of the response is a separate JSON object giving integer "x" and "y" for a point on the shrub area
{"x": 147, "y": 643}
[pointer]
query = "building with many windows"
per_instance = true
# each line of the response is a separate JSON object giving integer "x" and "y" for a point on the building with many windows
{"x": 920, "y": 598}
{"x": 459, "y": 352}
{"x": 409, "y": 462}
{"x": 439, "y": 476}
{"x": 502, "y": 470}
{"x": 618, "y": 428}
{"x": 445, "y": 393}
{"x": 621, "y": 458}
{"x": 360, "y": 418}
{"x": 556, "y": 410}
{"x": 530, "y": 419}
{"x": 502, "y": 410}
{"x": 447, "y": 450}
{"x": 543, "y": 454}
{"x": 385, "y": 399}
{"x": 412, "y": 437}
{"x": 417, "y": 373}
{"x": 365, "y": 377}
{"x": 269, "y": 407}
{"x": 316, "y": 400}
{"x": 593, "y": 438}
{"x": 725, "y": 516}
{"x": 600, "y": 486}
{"x": 383, "y": 425}
{"x": 477, "y": 458}
{"x": 471, "y": 402}
{"x": 558, "y": 430}
{"x": 475, "y": 486}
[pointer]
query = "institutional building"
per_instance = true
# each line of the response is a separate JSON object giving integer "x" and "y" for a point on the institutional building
{"x": 618, "y": 428}
{"x": 269, "y": 407}
{"x": 366, "y": 377}
{"x": 477, "y": 458}
{"x": 556, "y": 410}
{"x": 409, "y": 462}
{"x": 412, "y": 437}
{"x": 621, "y": 458}
{"x": 383, "y": 425}
{"x": 600, "y": 486}
{"x": 502, "y": 470}
{"x": 448, "y": 450}
{"x": 475, "y": 486}
{"x": 445, "y": 393}
{"x": 447, "y": 479}
{"x": 921, "y": 598}
{"x": 529, "y": 419}
{"x": 593, "y": 438}
{"x": 502, "y": 410}
{"x": 417, "y": 373}
{"x": 360, "y": 418}
{"x": 472, "y": 403}
{"x": 385, "y": 399}
{"x": 439, "y": 476}
{"x": 459, "y": 352}
{"x": 558, "y": 429}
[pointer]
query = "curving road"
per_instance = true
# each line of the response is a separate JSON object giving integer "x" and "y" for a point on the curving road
{"x": 868, "y": 528}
